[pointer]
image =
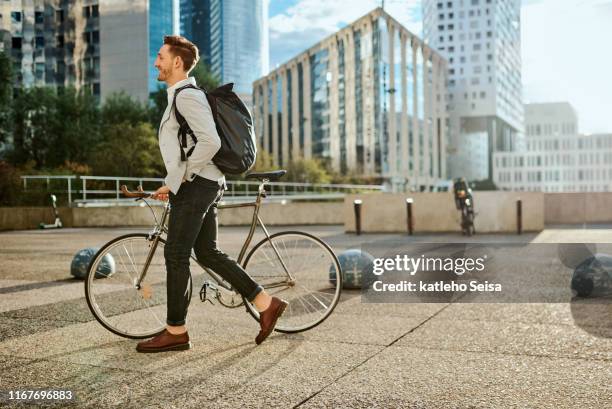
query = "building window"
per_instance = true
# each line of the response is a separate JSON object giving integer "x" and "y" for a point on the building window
{"x": 483, "y": 95}
{"x": 441, "y": 39}
{"x": 477, "y": 47}
{"x": 59, "y": 15}
{"x": 94, "y": 11}
{"x": 451, "y": 27}
{"x": 441, "y": 16}
{"x": 95, "y": 36}
{"x": 441, "y": 27}
{"x": 60, "y": 41}
{"x": 440, "y": 5}
{"x": 16, "y": 43}
{"x": 474, "y": 2}
{"x": 15, "y": 16}
{"x": 449, "y": 4}
{"x": 96, "y": 89}
{"x": 40, "y": 42}
{"x": 86, "y": 11}
{"x": 39, "y": 17}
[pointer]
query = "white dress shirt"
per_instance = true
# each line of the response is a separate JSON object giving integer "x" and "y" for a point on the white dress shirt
{"x": 194, "y": 107}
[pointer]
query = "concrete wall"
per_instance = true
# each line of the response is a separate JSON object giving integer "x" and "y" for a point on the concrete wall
{"x": 572, "y": 208}
{"x": 296, "y": 213}
{"x": 436, "y": 212}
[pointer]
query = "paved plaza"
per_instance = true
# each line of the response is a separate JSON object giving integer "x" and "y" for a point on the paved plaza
{"x": 453, "y": 355}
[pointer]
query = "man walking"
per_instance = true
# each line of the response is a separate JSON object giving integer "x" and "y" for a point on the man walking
{"x": 194, "y": 187}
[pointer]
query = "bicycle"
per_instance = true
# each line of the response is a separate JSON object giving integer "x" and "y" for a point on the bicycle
{"x": 125, "y": 286}
{"x": 465, "y": 203}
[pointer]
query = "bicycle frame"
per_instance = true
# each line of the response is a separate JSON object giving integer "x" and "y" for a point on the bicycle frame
{"x": 160, "y": 228}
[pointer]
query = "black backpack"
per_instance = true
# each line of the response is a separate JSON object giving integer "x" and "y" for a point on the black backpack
{"x": 234, "y": 125}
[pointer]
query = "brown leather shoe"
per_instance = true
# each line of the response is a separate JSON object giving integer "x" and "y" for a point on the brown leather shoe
{"x": 165, "y": 342}
{"x": 268, "y": 318}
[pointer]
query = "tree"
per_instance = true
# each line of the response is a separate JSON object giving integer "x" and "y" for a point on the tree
{"x": 6, "y": 92}
{"x": 307, "y": 170}
{"x": 120, "y": 107}
{"x": 127, "y": 150}
{"x": 204, "y": 77}
{"x": 75, "y": 127}
{"x": 34, "y": 115}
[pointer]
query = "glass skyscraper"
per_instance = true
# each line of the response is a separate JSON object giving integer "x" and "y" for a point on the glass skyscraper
{"x": 232, "y": 36}
{"x": 369, "y": 99}
{"x": 161, "y": 23}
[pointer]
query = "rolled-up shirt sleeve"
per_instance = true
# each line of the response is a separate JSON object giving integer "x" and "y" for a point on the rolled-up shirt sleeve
{"x": 194, "y": 107}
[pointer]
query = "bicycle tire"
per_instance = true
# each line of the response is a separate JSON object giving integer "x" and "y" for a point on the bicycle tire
{"x": 284, "y": 329}
{"x": 90, "y": 298}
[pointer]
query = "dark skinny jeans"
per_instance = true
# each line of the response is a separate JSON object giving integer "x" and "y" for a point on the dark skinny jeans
{"x": 193, "y": 224}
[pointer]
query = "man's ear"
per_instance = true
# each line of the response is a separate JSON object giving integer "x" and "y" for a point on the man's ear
{"x": 178, "y": 62}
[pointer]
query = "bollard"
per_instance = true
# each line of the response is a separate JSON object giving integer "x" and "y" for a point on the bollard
{"x": 357, "y": 205}
{"x": 409, "y": 220}
{"x": 519, "y": 216}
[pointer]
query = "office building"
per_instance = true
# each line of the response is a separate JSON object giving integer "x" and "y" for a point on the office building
{"x": 232, "y": 36}
{"x": 481, "y": 41}
{"x": 557, "y": 158}
{"x": 368, "y": 99}
{"x": 106, "y": 45}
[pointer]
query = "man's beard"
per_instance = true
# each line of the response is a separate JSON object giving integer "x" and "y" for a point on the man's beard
{"x": 163, "y": 74}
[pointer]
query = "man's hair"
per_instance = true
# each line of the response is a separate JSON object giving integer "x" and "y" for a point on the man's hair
{"x": 181, "y": 47}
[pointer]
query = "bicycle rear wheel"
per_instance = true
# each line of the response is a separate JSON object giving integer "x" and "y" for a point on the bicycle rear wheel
{"x": 110, "y": 287}
{"x": 304, "y": 271}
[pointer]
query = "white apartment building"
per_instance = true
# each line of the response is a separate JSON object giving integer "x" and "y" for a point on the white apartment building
{"x": 481, "y": 41}
{"x": 556, "y": 158}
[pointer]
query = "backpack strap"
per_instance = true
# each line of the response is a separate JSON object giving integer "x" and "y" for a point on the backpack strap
{"x": 184, "y": 128}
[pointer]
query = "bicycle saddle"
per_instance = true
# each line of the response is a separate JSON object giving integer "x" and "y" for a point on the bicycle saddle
{"x": 270, "y": 175}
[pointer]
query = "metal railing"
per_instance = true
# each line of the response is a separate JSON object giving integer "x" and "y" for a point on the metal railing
{"x": 105, "y": 190}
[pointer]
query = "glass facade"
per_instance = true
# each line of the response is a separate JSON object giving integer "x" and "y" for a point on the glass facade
{"x": 410, "y": 100}
{"x": 160, "y": 24}
{"x": 320, "y": 79}
{"x": 231, "y": 36}
{"x": 390, "y": 111}
{"x": 342, "y": 107}
{"x": 398, "y": 94}
{"x": 290, "y": 114}
{"x": 359, "y": 148}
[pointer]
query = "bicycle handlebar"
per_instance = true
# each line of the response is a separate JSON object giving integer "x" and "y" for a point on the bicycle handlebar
{"x": 141, "y": 194}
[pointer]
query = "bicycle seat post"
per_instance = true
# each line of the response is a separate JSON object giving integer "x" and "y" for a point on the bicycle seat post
{"x": 262, "y": 189}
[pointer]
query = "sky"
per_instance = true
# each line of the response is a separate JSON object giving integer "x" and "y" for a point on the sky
{"x": 565, "y": 45}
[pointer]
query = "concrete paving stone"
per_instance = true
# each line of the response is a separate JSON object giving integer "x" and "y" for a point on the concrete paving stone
{"x": 511, "y": 338}
{"x": 410, "y": 377}
{"x": 355, "y": 305}
{"x": 596, "y": 314}
{"x": 19, "y": 327}
{"x": 362, "y": 329}
{"x": 68, "y": 290}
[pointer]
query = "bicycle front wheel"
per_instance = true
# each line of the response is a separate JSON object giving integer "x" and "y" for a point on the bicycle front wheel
{"x": 301, "y": 269}
{"x": 111, "y": 291}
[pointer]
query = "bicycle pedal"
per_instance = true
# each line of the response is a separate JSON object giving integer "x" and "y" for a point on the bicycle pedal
{"x": 204, "y": 293}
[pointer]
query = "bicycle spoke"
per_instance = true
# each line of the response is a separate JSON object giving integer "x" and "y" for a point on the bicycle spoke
{"x": 116, "y": 302}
